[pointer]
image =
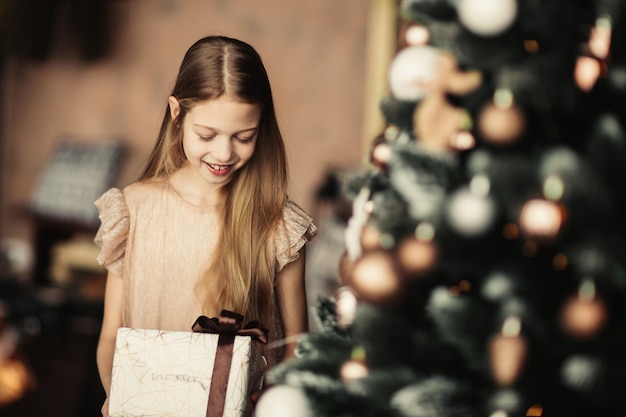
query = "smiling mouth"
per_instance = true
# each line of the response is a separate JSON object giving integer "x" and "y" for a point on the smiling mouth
{"x": 219, "y": 167}
{"x": 219, "y": 170}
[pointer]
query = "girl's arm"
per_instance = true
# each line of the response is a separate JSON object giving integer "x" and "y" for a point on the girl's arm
{"x": 112, "y": 320}
{"x": 292, "y": 302}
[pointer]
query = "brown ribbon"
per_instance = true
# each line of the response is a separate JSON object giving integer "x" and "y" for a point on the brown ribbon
{"x": 227, "y": 326}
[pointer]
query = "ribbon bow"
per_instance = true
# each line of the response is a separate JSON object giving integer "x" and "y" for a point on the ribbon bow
{"x": 227, "y": 326}
{"x": 230, "y": 323}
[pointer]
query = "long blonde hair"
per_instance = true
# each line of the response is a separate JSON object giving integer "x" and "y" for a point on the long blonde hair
{"x": 244, "y": 260}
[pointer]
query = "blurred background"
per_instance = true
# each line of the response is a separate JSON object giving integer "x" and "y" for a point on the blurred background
{"x": 83, "y": 89}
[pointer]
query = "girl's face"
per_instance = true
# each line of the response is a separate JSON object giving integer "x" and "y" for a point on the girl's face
{"x": 219, "y": 136}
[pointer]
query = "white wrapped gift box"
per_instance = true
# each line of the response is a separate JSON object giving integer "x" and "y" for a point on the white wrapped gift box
{"x": 167, "y": 373}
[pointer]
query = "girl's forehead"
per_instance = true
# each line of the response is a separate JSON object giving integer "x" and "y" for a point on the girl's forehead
{"x": 225, "y": 113}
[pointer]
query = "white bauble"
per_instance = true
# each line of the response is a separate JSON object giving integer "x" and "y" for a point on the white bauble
{"x": 487, "y": 17}
{"x": 346, "y": 304}
{"x": 413, "y": 71}
{"x": 470, "y": 214}
{"x": 283, "y": 401}
{"x": 581, "y": 372}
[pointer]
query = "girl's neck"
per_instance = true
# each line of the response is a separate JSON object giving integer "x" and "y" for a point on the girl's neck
{"x": 194, "y": 190}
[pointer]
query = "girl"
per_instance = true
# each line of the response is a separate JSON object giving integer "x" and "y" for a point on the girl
{"x": 209, "y": 225}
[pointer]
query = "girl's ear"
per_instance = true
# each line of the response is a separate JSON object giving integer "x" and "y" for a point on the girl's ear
{"x": 174, "y": 107}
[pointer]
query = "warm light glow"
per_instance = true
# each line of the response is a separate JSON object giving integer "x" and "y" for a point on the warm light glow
{"x": 346, "y": 303}
{"x": 14, "y": 381}
{"x": 417, "y": 256}
{"x": 376, "y": 279}
{"x": 462, "y": 141}
{"x": 531, "y": 46}
{"x": 600, "y": 38}
{"x": 370, "y": 238}
{"x": 541, "y": 219}
{"x": 535, "y": 410}
{"x": 382, "y": 154}
{"x": 417, "y": 35}
{"x": 586, "y": 72}
{"x": 501, "y": 124}
{"x": 584, "y": 315}
{"x": 507, "y": 352}
{"x": 353, "y": 369}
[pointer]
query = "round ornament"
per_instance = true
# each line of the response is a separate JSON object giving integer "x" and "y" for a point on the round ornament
{"x": 381, "y": 155}
{"x": 507, "y": 353}
{"x": 462, "y": 141}
{"x": 413, "y": 71}
{"x": 283, "y": 401}
{"x": 600, "y": 37}
{"x": 376, "y": 279}
{"x": 346, "y": 304}
{"x": 469, "y": 213}
{"x": 501, "y": 125}
{"x": 370, "y": 238}
{"x": 583, "y": 318}
{"x": 581, "y": 372}
{"x": 417, "y": 256}
{"x": 417, "y": 35}
{"x": 355, "y": 367}
{"x": 541, "y": 219}
{"x": 586, "y": 72}
{"x": 487, "y": 17}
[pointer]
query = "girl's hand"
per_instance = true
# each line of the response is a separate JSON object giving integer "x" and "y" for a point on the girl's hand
{"x": 105, "y": 408}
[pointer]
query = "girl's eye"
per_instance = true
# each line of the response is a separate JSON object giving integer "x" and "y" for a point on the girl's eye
{"x": 205, "y": 138}
{"x": 244, "y": 140}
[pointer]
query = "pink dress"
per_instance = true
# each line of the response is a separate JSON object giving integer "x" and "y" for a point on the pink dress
{"x": 148, "y": 229}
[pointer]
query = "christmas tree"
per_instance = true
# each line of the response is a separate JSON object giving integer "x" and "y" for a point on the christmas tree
{"x": 485, "y": 265}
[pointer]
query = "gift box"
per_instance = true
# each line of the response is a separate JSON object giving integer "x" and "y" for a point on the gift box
{"x": 210, "y": 371}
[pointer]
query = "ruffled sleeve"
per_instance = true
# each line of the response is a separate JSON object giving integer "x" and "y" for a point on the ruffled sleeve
{"x": 113, "y": 232}
{"x": 297, "y": 229}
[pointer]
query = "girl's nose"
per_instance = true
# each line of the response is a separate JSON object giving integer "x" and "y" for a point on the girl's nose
{"x": 223, "y": 150}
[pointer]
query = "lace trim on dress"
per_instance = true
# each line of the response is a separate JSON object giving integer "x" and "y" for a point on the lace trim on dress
{"x": 298, "y": 228}
{"x": 113, "y": 232}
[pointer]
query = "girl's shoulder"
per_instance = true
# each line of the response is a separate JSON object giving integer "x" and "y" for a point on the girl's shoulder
{"x": 144, "y": 192}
